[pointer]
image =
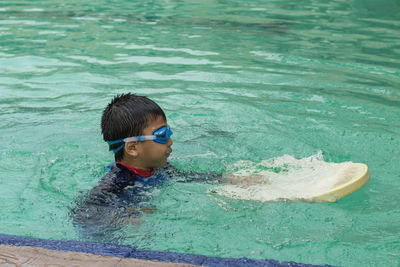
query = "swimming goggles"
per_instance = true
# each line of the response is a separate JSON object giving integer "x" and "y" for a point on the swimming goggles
{"x": 161, "y": 136}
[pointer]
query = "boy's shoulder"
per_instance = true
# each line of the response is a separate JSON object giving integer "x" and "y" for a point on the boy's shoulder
{"x": 117, "y": 176}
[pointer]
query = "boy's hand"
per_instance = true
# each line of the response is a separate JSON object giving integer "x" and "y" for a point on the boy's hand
{"x": 148, "y": 210}
{"x": 246, "y": 181}
{"x": 144, "y": 210}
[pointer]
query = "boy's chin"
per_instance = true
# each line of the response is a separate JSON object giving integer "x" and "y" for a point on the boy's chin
{"x": 164, "y": 163}
{"x": 161, "y": 164}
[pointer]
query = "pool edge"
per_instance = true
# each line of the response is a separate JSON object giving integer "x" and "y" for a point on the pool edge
{"x": 122, "y": 251}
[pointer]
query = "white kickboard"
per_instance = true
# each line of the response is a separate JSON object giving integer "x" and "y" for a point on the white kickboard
{"x": 309, "y": 179}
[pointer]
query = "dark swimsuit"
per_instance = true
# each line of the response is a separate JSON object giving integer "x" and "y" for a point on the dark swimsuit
{"x": 120, "y": 195}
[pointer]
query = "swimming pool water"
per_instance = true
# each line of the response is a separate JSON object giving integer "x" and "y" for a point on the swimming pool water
{"x": 238, "y": 80}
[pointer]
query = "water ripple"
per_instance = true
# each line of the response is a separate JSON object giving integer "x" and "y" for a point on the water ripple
{"x": 166, "y": 60}
{"x": 152, "y": 47}
{"x": 32, "y": 63}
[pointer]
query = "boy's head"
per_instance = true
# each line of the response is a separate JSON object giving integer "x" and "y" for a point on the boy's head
{"x": 130, "y": 115}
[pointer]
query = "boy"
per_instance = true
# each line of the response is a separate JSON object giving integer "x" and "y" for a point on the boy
{"x": 136, "y": 130}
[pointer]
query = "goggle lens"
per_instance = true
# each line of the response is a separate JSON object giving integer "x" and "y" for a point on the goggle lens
{"x": 163, "y": 135}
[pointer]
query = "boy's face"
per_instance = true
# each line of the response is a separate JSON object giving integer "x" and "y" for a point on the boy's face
{"x": 149, "y": 154}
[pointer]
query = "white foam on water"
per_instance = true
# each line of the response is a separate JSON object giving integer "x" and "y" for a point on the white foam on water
{"x": 285, "y": 177}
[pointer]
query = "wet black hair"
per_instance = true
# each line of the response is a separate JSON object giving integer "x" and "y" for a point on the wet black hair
{"x": 127, "y": 115}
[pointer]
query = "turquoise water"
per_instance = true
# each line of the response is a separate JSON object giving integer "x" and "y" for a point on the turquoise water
{"x": 238, "y": 80}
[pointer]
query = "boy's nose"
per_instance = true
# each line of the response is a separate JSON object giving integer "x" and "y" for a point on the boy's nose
{"x": 170, "y": 142}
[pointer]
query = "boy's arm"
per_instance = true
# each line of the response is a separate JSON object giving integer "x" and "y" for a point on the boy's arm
{"x": 211, "y": 177}
{"x": 98, "y": 215}
{"x": 94, "y": 217}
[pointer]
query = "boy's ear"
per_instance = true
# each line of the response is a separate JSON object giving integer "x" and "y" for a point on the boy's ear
{"x": 131, "y": 148}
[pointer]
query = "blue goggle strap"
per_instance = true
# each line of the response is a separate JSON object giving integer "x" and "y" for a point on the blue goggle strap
{"x": 130, "y": 139}
{"x": 165, "y": 130}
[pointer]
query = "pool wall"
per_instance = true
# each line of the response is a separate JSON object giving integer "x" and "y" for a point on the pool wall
{"x": 131, "y": 252}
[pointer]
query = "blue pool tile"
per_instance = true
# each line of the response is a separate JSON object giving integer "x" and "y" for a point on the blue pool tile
{"x": 239, "y": 262}
{"x": 131, "y": 252}
{"x": 168, "y": 256}
{"x": 245, "y": 262}
{"x": 77, "y": 246}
